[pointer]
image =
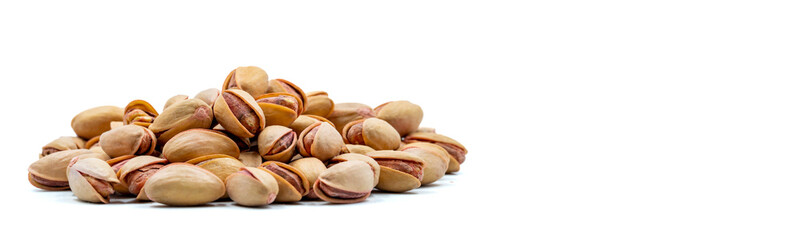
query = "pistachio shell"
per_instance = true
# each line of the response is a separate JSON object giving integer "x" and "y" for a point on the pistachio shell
{"x": 128, "y": 140}
{"x": 281, "y": 85}
{"x": 344, "y": 113}
{"x": 139, "y": 112}
{"x": 311, "y": 168}
{"x": 252, "y": 187}
{"x": 304, "y": 121}
{"x": 135, "y": 164}
{"x": 250, "y": 158}
{"x": 182, "y": 184}
{"x": 351, "y": 176}
{"x": 436, "y": 158}
{"x": 173, "y": 100}
{"x": 325, "y": 144}
{"x": 53, "y": 168}
{"x": 393, "y": 180}
{"x": 94, "y": 168}
{"x": 455, "y": 150}
{"x": 277, "y": 114}
{"x": 403, "y": 115}
{"x": 94, "y": 121}
{"x": 319, "y": 104}
{"x": 184, "y": 115}
{"x": 198, "y": 142}
{"x": 92, "y": 142}
{"x": 272, "y": 136}
{"x": 116, "y": 164}
{"x": 358, "y": 157}
{"x": 209, "y": 96}
{"x": 61, "y": 144}
{"x": 286, "y": 192}
{"x": 360, "y": 149}
{"x": 220, "y": 165}
{"x": 233, "y": 122}
{"x": 375, "y": 133}
{"x": 252, "y": 80}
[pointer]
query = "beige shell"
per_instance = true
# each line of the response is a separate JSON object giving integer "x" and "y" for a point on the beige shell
{"x": 403, "y": 115}
{"x": 252, "y": 80}
{"x": 139, "y": 112}
{"x": 269, "y": 137}
{"x": 281, "y": 85}
{"x": 311, "y": 168}
{"x": 116, "y": 164}
{"x": 173, "y": 100}
{"x": 220, "y": 165}
{"x": 257, "y": 187}
{"x": 128, "y": 140}
{"x": 352, "y": 176}
{"x": 250, "y": 158}
{"x": 198, "y": 142}
{"x": 456, "y": 151}
{"x": 224, "y": 115}
{"x": 376, "y": 133}
{"x": 95, "y": 168}
{"x": 277, "y": 114}
{"x": 184, "y": 115}
{"x": 61, "y": 144}
{"x": 326, "y": 143}
{"x": 319, "y": 104}
{"x": 358, "y": 157}
{"x": 94, "y": 121}
{"x": 392, "y": 180}
{"x": 360, "y": 149}
{"x": 209, "y": 96}
{"x": 304, "y": 121}
{"x": 134, "y": 164}
{"x": 344, "y": 113}
{"x": 53, "y": 167}
{"x": 183, "y": 184}
{"x": 436, "y": 158}
{"x": 286, "y": 192}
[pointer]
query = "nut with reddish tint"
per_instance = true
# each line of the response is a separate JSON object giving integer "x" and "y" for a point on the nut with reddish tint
{"x": 358, "y": 157}
{"x": 347, "y": 182}
{"x": 345, "y": 113}
{"x": 50, "y": 172}
{"x": 455, "y": 150}
{"x": 360, "y": 149}
{"x": 252, "y": 187}
{"x": 183, "y": 184}
{"x": 373, "y": 132}
{"x": 400, "y": 171}
{"x": 319, "y": 104}
{"x": 436, "y": 159}
{"x": 243, "y": 143}
{"x": 209, "y": 96}
{"x": 304, "y": 121}
{"x": 117, "y": 164}
{"x": 174, "y": 99}
{"x": 292, "y": 184}
{"x": 280, "y": 108}
{"x": 95, "y": 121}
{"x": 128, "y": 140}
{"x": 277, "y": 143}
{"x": 403, "y": 115}
{"x": 252, "y": 80}
{"x": 239, "y": 113}
{"x": 198, "y": 142}
{"x": 139, "y": 112}
{"x": 61, "y": 144}
{"x": 320, "y": 140}
{"x": 135, "y": 172}
{"x": 280, "y": 85}
{"x": 311, "y": 169}
{"x": 181, "y": 116}
{"x": 90, "y": 179}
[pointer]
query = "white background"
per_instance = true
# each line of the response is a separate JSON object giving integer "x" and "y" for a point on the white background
{"x": 583, "y": 119}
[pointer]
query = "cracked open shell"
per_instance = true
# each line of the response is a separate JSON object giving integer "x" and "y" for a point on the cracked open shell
{"x": 239, "y": 113}
{"x": 195, "y": 143}
{"x": 373, "y": 132}
{"x": 128, "y": 140}
{"x": 400, "y": 171}
{"x": 311, "y": 168}
{"x": 90, "y": 179}
{"x": 50, "y": 172}
{"x": 354, "y": 148}
{"x": 346, "y": 182}
{"x": 277, "y": 143}
{"x": 139, "y": 112}
{"x": 181, "y": 116}
{"x": 250, "y": 79}
{"x": 358, "y": 157}
{"x": 304, "y": 121}
{"x": 320, "y": 140}
{"x": 280, "y": 108}
{"x": 61, "y": 144}
{"x": 292, "y": 184}
{"x": 281, "y": 85}
{"x": 135, "y": 172}
{"x": 456, "y": 151}
{"x": 252, "y": 187}
{"x": 319, "y": 104}
{"x": 436, "y": 159}
{"x": 344, "y": 113}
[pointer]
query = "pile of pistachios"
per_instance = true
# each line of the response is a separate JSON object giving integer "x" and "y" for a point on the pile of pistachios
{"x": 256, "y": 142}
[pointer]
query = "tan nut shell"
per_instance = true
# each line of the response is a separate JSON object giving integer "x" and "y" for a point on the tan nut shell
{"x": 53, "y": 167}
{"x": 276, "y": 114}
{"x": 183, "y": 184}
{"x": 173, "y": 100}
{"x": 64, "y": 143}
{"x": 436, "y": 158}
{"x": 403, "y": 115}
{"x": 219, "y": 164}
{"x": 92, "y": 167}
{"x": 226, "y": 118}
{"x": 311, "y": 168}
{"x": 275, "y": 85}
{"x": 134, "y": 164}
{"x": 431, "y": 137}
{"x": 376, "y": 133}
{"x": 362, "y": 158}
{"x": 353, "y": 176}
{"x": 257, "y": 190}
{"x": 304, "y": 121}
{"x": 94, "y": 121}
{"x": 250, "y": 158}
{"x": 392, "y": 180}
{"x": 184, "y": 115}
{"x": 360, "y": 149}
{"x": 252, "y": 80}
{"x": 198, "y": 142}
{"x": 344, "y": 113}
{"x": 126, "y": 140}
{"x": 120, "y": 188}
{"x": 269, "y": 137}
{"x": 141, "y": 105}
{"x": 209, "y": 96}
{"x": 327, "y": 142}
{"x": 286, "y": 192}
{"x": 319, "y": 104}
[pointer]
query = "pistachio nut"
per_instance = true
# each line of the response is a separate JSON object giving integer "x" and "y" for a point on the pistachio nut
{"x": 304, "y": 121}
{"x": 277, "y": 143}
{"x": 373, "y": 132}
{"x": 321, "y": 141}
{"x": 436, "y": 159}
{"x": 135, "y": 172}
{"x": 345, "y": 113}
{"x": 219, "y": 164}
{"x": 252, "y": 80}
{"x": 252, "y": 187}
{"x": 400, "y": 171}
{"x": 250, "y": 158}
{"x": 243, "y": 143}
{"x": 195, "y": 143}
{"x": 128, "y": 140}
{"x": 174, "y": 99}
{"x": 347, "y": 182}
{"x": 61, "y": 144}
{"x": 319, "y": 104}
{"x": 239, "y": 113}
{"x": 360, "y": 149}
{"x": 311, "y": 168}
{"x": 280, "y": 108}
{"x": 50, "y": 172}
{"x": 90, "y": 179}
{"x": 94, "y": 121}
{"x": 117, "y": 164}
{"x": 281, "y": 85}
{"x": 139, "y": 112}
{"x": 403, "y": 115}
{"x": 187, "y": 114}
{"x": 424, "y": 129}
{"x": 183, "y": 184}
{"x": 455, "y": 150}
{"x": 358, "y": 157}
{"x": 292, "y": 184}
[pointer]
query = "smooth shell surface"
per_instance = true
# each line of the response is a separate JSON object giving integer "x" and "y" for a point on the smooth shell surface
{"x": 250, "y": 79}
{"x": 304, "y": 121}
{"x": 456, "y": 151}
{"x": 373, "y": 132}
{"x": 392, "y": 180}
{"x": 94, "y": 168}
{"x": 359, "y": 157}
{"x": 325, "y": 144}
{"x": 128, "y": 140}
{"x": 174, "y": 99}
{"x": 94, "y": 121}
{"x": 311, "y": 168}
{"x": 344, "y": 113}
{"x": 182, "y": 184}
{"x": 181, "y": 116}
{"x": 221, "y": 165}
{"x": 198, "y": 142}
{"x": 252, "y": 187}
{"x": 351, "y": 176}
{"x": 250, "y": 158}
{"x": 61, "y": 144}
{"x": 53, "y": 167}
{"x": 319, "y": 104}
{"x": 281, "y": 85}
{"x": 278, "y": 114}
{"x": 404, "y": 116}
{"x": 360, "y": 149}
{"x": 436, "y": 159}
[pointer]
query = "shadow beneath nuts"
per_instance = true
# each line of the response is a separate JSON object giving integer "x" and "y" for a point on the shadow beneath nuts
{"x": 207, "y": 205}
